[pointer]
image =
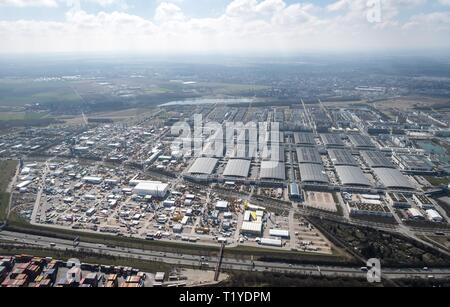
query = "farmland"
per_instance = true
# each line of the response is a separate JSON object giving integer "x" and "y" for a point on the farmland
{"x": 15, "y": 92}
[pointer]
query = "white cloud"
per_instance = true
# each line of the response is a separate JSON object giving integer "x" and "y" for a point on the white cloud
{"x": 245, "y": 25}
{"x": 167, "y": 12}
{"x": 438, "y": 21}
{"x": 55, "y": 3}
{"x": 29, "y": 3}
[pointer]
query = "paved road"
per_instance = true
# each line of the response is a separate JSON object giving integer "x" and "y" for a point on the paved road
{"x": 209, "y": 262}
{"x": 41, "y": 190}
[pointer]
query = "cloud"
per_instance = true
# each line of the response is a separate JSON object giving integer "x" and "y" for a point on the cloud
{"x": 29, "y": 3}
{"x": 438, "y": 21}
{"x": 55, "y": 3}
{"x": 245, "y": 25}
{"x": 167, "y": 12}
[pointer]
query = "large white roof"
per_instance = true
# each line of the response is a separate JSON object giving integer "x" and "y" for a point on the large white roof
{"x": 312, "y": 173}
{"x": 392, "y": 178}
{"x": 352, "y": 175}
{"x": 203, "y": 166}
{"x": 273, "y": 170}
{"x": 237, "y": 168}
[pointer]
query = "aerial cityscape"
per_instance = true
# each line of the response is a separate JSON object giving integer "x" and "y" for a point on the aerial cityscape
{"x": 231, "y": 166}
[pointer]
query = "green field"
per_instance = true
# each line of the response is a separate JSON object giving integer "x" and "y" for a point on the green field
{"x": 7, "y": 169}
{"x": 27, "y": 91}
{"x": 4, "y": 201}
{"x": 6, "y": 116}
{"x": 437, "y": 181}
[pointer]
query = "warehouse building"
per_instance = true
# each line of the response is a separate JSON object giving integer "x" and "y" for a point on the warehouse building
{"x": 342, "y": 157}
{"x": 254, "y": 228}
{"x": 415, "y": 164}
{"x": 237, "y": 168}
{"x": 279, "y": 233}
{"x": 222, "y": 205}
{"x": 92, "y": 180}
{"x": 203, "y": 166}
{"x": 397, "y": 200}
{"x": 434, "y": 216}
{"x": 275, "y": 137}
{"x": 375, "y": 159}
{"x": 154, "y": 188}
{"x": 392, "y": 178}
{"x": 332, "y": 140}
{"x": 369, "y": 208}
{"x": 423, "y": 202}
{"x": 308, "y": 155}
{"x": 273, "y": 170}
{"x": 274, "y": 153}
{"x": 24, "y": 184}
{"x": 312, "y": 174}
{"x": 415, "y": 214}
{"x": 270, "y": 242}
{"x": 304, "y": 138}
{"x": 352, "y": 176}
{"x": 360, "y": 141}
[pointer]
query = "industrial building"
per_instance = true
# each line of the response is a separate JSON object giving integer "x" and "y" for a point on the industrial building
{"x": 92, "y": 179}
{"x": 398, "y": 200}
{"x": 342, "y": 157}
{"x": 237, "y": 168}
{"x": 356, "y": 209}
{"x": 332, "y": 140}
{"x": 375, "y": 158}
{"x": 434, "y": 216}
{"x": 154, "y": 188}
{"x": 312, "y": 174}
{"x": 416, "y": 164}
{"x": 273, "y": 170}
{"x": 423, "y": 202}
{"x": 274, "y": 153}
{"x": 279, "y": 233}
{"x": 352, "y": 176}
{"x": 271, "y": 242}
{"x": 203, "y": 166}
{"x": 392, "y": 178}
{"x": 308, "y": 155}
{"x": 360, "y": 141}
{"x": 253, "y": 228}
{"x": 304, "y": 138}
{"x": 415, "y": 214}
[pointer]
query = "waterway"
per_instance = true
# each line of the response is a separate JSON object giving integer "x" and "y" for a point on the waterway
{"x": 200, "y": 101}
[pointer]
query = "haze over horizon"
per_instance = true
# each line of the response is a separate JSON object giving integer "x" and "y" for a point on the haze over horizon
{"x": 221, "y": 26}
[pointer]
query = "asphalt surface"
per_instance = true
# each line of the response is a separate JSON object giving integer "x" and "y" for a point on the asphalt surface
{"x": 210, "y": 262}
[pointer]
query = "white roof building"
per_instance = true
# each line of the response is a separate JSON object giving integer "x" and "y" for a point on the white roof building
{"x": 271, "y": 242}
{"x": 279, "y": 233}
{"x": 24, "y": 184}
{"x": 153, "y": 188}
{"x": 222, "y": 205}
{"x": 92, "y": 179}
{"x": 252, "y": 228}
{"x": 434, "y": 216}
{"x": 414, "y": 213}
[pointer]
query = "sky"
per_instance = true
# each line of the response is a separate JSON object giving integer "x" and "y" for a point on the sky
{"x": 222, "y": 26}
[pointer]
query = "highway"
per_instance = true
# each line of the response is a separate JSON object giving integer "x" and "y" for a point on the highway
{"x": 178, "y": 259}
